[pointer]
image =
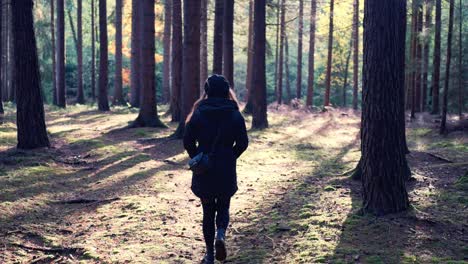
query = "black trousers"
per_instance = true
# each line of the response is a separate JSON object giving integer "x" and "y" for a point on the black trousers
{"x": 215, "y": 215}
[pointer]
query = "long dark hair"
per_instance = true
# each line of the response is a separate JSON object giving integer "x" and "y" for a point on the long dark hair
{"x": 231, "y": 96}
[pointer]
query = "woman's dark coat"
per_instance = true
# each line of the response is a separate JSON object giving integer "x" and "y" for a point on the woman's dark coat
{"x": 211, "y": 115}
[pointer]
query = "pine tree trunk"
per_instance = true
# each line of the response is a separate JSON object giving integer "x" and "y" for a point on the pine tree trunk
{"x": 191, "y": 61}
{"x": 60, "y": 53}
{"x": 167, "y": 51}
{"x": 228, "y": 41}
{"x": 418, "y": 61}
{"x": 311, "y": 79}
{"x": 299, "y": 50}
{"x": 277, "y": 46}
{"x": 286, "y": 66}
{"x": 11, "y": 58}
{"x": 118, "y": 90}
{"x": 460, "y": 63}
{"x": 176, "y": 60}
{"x": 4, "y": 52}
{"x": 355, "y": 53}
{"x": 427, "y": 26}
{"x": 329, "y": 57}
{"x": 1, "y": 64}
{"x": 413, "y": 58}
{"x": 30, "y": 110}
{"x": 52, "y": 32}
{"x": 135, "y": 62}
{"x": 436, "y": 59}
{"x": 148, "y": 115}
{"x": 259, "y": 117}
{"x": 93, "y": 52}
{"x": 248, "y": 80}
{"x": 345, "y": 83}
{"x": 203, "y": 45}
{"x": 383, "y": 162}
{"x": 279, "y": 92}
{"x": 79, "y": 50}
{"x": 443, "y": 128}
{"x": 218, "y": 37}
{"x": 103, "y": 104}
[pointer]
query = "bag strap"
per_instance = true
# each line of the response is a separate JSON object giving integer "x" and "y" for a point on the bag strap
{"x": 215, "y": 143}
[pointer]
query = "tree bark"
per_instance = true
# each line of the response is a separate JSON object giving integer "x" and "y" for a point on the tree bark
{"x": 383, "y": 161}
{"x": 345, "y": 83}
{"x": 103, "y": 104}
{"x": 1, "y": 64}
{"x": 418, "y": 61}
{"x": 93, "y": 52}
{"x": 330, "y": 56}
{"x": 355, "y": 53}
{"x": 279, "y": 92}
{"x": 436, "y": 59}
{"x": 148, "y": 115}
{"x": 176, "y": 60}
{"x": 228, "y": 41}
{"x": 30, "y": 110}
{"x": 203, "y": 45}
{"x": 427, "y": 25}
{"x": 443, "y": 128}
{"x": 299, "y": 50}
{"x": 167, "y": 51}
{"x": 248, "y": 80}
{"x": 11, "y": 57}
{"x": 286, "y": 66}
{"x": 311, "y": 79}
{"x": 191, "y": 60}
{"x": 413, "y": 58}
{"x": 277, "y": 46}
{"x": 460, "y": 62}
{"x": 218, "y": 38}
{"x": 79, "y": 50}
{"x": 52, "y": 32}
{"x": 135, "y": 62}
{"x": 118, "y": 90}
{"x": 259, "y": 120}
{"x": 61, "y": 53}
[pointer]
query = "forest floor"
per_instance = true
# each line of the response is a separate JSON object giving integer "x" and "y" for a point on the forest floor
{"x": 103, "y": 194}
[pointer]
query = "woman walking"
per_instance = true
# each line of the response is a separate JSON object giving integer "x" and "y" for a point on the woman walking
{"x": 215, "y": 126}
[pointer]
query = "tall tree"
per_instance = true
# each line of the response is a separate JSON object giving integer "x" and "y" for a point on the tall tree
{"x": 203, "y": 44}
{"x": 103, "y": 104}
{"x": 248, "y": 78}
{"x": 427, "y": 26}
{"x": 311, "y": 79}
{"x": 191, "y": 60}
{"x": 346, "y": 72}
{"x": 1, "y": 64}
{"x": 228, "y": 41}
{"x": 259, "y": 117}
{"x": 355, "y": 53}
{"x": 277, "y": 46}
{"x": 60, "y": 53}
{"x": 436, "y": 60}
{"x": 287, "y": 72}
{"x": 135, "y": 62}
{"x": 383, "y": 182}
{"x": 79, "y": 49}
{"x": 418, "y": 59}
{"x": 299, "y": 50}
{"x": 148, "y": 115}
{"x": 52, "y": 35}
{"x": 167, "y": 51}
{"x": 30, "y": 110}
{"x": 279, "y": 91}
{"x": 93, "y": 52}
{"x": 443, "y": 128}
{"x": 176, "y": 60}
{"x": 460, "y": 62}
{"x": 330, "y": 56}
{"x": 118, "y": 91}
{"x": 413, "y": 58}
{"x": 11, "y": 57}
{"x": 218, "y": 37}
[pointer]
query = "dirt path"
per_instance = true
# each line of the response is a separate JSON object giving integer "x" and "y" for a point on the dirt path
{"x": 106, "y": 195}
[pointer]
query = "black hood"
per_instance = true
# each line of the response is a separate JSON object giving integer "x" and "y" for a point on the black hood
{"x": 217, "y": 107}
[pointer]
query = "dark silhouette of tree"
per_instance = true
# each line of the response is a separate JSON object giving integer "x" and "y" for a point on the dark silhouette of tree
{"x": 79, "y": 53}
{"x": 218, "y": 37}
{"x": 52, "y": 36}
{"x": 330, "y": 56}
{"x": 203, "y": 44}
{"x": 118, "y": 91}
{"x": 427, "y": 26}
{"x": 286, "y": 68}
{"x": 248, "y": 78}
{"x": 103, "y": 104}
{"x": 443, "y": 128}
{"x": 436, "y": 59}
{"x": 30, "y": 110}
{"x": 346, "y": 72}
{"x": 413, "y": 57}
{"x": 460, "y": 61}
{"x": 299, "y": 50}
{"x": 166, "y": 89}
{"x": 418, "y": 60}
{"x": 311, "y": 79}
{"x": 355, "y": 53}
{"x": 60, "y": 53}
{"x": 383, "y": 163}
{"x": 93, "y": 51}
{"x": 279, "y": 91}
{"x": 1, "y": 65}
{"x": 148, "y": 115}
{"x": 228, "y": 41}
{"x": 191, "y": 61}
{"x": 135, "y": 82}
{"x": 259, "y": 117}
{"x": 277, "y": 46}
{"x": 176, "y": 60}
